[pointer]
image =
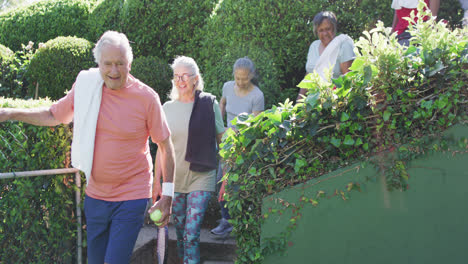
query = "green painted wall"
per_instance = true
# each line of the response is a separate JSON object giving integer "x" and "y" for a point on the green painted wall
{"x": 426, "y": 224}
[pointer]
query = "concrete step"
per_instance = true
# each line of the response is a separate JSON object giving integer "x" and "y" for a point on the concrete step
{"x": 213, "y": 249}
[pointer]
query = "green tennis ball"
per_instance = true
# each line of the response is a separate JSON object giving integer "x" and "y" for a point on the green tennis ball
{"x": 156, "y": 215}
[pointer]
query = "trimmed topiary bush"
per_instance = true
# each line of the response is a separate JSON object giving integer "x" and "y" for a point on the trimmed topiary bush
{"x": 56, "y": 65}
{"x": 105, "y": 16}
{"x": 155, "y": 73}
{"x": 164, "y": 28}
{"x": 43, "y": 21}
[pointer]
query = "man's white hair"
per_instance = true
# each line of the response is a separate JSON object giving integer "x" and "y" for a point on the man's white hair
{"x": 113, "y": 38}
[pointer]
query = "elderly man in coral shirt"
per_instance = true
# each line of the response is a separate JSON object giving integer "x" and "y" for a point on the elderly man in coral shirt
{"x": 114, "y": 114}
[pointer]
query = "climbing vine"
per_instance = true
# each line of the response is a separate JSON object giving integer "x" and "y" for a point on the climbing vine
{"x": 392, "y": 101}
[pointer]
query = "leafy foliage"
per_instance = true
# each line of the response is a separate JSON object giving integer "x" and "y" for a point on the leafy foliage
{"x": 164, "y": 28}
{"x": 38, "y": 222}
{"x": 43, "y": 21}
{"x": 56, "y": 64}
{"x": 6, "y": 58}
{"x": 154, "y": 72}
{"x": 392, "y": 96}
{"x": 13, "y": 69}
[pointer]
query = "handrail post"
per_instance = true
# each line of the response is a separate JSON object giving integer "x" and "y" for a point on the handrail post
{"x": 78, "y": 216}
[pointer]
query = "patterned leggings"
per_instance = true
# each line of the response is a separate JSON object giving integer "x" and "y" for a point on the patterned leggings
{"x": 188, "y": 210}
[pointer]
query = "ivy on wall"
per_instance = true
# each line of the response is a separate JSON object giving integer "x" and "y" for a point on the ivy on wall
{"x": 393, "y": 96}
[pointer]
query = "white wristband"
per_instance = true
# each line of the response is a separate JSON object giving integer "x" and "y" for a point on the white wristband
{"x": 168, "y": 189}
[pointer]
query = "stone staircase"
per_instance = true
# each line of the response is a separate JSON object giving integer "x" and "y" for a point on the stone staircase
{"x": 213, "y": 249}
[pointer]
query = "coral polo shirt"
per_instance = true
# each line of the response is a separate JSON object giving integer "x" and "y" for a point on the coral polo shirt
{"x": 122, "y": 163}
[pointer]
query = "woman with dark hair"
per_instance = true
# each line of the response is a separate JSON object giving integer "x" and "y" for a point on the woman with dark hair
{"x": 239, "y": 96}
{"x": 329, "y": 50}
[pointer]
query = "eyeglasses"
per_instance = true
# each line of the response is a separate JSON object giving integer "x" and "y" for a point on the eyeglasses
{"x": 184, "y": 77}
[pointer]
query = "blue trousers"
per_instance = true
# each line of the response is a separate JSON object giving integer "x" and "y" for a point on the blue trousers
{"x": 112, "y": 229}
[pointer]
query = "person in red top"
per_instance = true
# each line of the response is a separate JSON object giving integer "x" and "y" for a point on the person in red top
{"x": 120, "y": 183}
{"x": 403, "y": 8}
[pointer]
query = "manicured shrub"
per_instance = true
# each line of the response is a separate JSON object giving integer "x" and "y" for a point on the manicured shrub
{"x": 155, "y": 73}
{"x": 56, "y": 65}
{"x": 105, "y": 16}
{"x": 43, "y": 21}
{"x": 38, "y": 213}
{"x": 164, "y": 28}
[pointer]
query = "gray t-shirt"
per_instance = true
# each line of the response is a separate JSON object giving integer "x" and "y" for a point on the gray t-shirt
{"x": 235, "y": 105}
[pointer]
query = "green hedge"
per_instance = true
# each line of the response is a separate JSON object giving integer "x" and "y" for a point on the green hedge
{"x": 56, "y": 65}
{"x": 44, "y": 20}
{"x": 154, "y": 72}
{"x": 7, "y": 57}
{"x": 105, "y": 16}
{"x": 164, "y": 28}
{"x": 38, "y": 213}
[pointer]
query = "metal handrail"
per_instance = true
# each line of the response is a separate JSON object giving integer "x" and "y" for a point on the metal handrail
{"x": 79, "y": 239}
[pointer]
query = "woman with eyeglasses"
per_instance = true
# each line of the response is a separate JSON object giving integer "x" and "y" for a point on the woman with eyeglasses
{"x": 329, "y": 50}
{"x": 196, "y": 125}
